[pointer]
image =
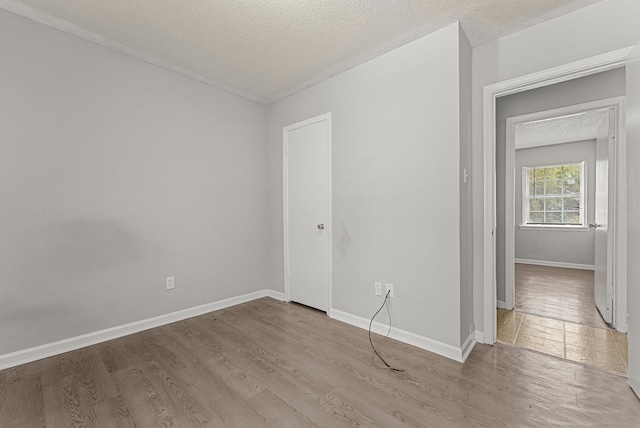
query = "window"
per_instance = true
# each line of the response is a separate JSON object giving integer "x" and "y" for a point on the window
{"x": 553, "y": 195}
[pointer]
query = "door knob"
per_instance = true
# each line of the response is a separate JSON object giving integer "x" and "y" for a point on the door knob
{"x": 321, "y": 226}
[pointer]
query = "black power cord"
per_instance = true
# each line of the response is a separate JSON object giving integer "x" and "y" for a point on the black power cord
{"x": 385, "y": 303}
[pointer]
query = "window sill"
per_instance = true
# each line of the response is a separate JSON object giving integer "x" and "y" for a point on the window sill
{"x": 555, "y": 228}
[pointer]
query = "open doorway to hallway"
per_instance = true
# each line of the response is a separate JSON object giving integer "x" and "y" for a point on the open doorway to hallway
{"x": 559, "y": 246}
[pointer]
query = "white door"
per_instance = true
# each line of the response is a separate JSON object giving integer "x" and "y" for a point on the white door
{"x": 633, "y": 213}
{"x": 307, "y": 201}
{"x": 603, "y": 278}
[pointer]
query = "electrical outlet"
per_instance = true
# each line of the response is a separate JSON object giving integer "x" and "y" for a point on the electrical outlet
{"x": 390, "y": 289}
{"x": 378, "y": 288}
{"x": 171, "y": 282}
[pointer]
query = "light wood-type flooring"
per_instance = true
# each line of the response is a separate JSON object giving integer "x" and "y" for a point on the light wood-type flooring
{"x": 559, "y": 293}
{"x": 268, "y": 363}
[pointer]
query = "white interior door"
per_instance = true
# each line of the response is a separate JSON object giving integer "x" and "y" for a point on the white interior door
{"x": 603, "y": 277}
{"x": 307, "y": 212}
{"x": 633, "y": 226}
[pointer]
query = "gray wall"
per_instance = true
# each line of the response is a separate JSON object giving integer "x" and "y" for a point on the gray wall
{"x": 115, "y": 174}
{"x": 561, "y": 245}
{"x": 591, "y": 88}
{"x": 396, "y": 183}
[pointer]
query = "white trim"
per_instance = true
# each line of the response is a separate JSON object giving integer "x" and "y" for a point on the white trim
{"x": 500, "y": 304}
{"x": 276, "y": 295}
{"x": 455, "y": 353}
{"x": 71, "y": 344}
{"x": 468, "y": 345}
{"x": 555, "y": 264}
{"x": 479, "y": 336}
{"x": 285, "y": 202}
{"x": 550, "y": 228}
{"x": 585, "y": 67}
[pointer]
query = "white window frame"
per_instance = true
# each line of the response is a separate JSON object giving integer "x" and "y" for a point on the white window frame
{"x": 583, "y": 198}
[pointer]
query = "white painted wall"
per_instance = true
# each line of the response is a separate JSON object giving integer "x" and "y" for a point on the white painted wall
{"x": 562, "y": 245}
{"x": 593, "y": 30}
{"x": 113, "y": 175}
{"x": 396, "y": 192}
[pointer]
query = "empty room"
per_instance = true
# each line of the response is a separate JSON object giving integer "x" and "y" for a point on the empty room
{"x": 168, "y": 260}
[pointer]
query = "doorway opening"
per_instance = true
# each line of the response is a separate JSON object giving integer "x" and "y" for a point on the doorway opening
{"x": 561, "y": 295}
{"x": 609, "y": 61}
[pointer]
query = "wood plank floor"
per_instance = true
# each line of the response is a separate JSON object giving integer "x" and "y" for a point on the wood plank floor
{"x": 268, "y": 363}
{"x": 560, "y": 293}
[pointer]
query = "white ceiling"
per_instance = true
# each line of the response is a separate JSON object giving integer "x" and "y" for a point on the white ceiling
{"x": 558, "y": 130}
{"x": 265, "y": 50}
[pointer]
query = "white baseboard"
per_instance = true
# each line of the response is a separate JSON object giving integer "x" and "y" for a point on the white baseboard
{"x": 277, "y": 295}
{"x": 479, "y": 336}
{"x": 468, "y": 345}
{"x": 555, "y": 264}
{"x": 47, "y": 350}
{"x": 455, "y": 353}
{"x": 501, "y": 304}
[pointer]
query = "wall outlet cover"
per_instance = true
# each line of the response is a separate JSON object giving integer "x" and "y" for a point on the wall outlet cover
{"x": 378, "y": 288}
{"x": 390, "y": 288}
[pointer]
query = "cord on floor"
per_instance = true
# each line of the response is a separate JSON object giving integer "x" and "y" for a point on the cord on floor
{"x": 385, "y": 303}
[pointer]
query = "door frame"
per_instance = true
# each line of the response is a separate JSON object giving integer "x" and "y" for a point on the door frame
{"x": 574, "y": 70}
{"x": 326, "y": 118}
{"x": 616, "y": 164}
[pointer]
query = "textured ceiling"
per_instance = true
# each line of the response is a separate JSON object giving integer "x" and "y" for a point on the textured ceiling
{"x": 266, "y": 50}
{"x": 567, "y": 129}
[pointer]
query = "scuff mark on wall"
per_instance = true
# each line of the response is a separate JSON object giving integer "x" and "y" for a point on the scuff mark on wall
{"x": 344, "y": 241}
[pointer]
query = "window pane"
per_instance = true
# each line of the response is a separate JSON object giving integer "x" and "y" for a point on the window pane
{"x": 553, "y": 187}
{"x": 554, "y": 204}
{"x": 571, "y": 204}
{"x": 572, "y": 189}
{"x": 572, "y": 217}
{"x": 537, "y": 217}
{"x": 539, "y": 189}
{"x": 536, "y": 205}
{"x": 553, "y": 173}
{"x": 571, "y": 171}
{"x": 553, "y": 217}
